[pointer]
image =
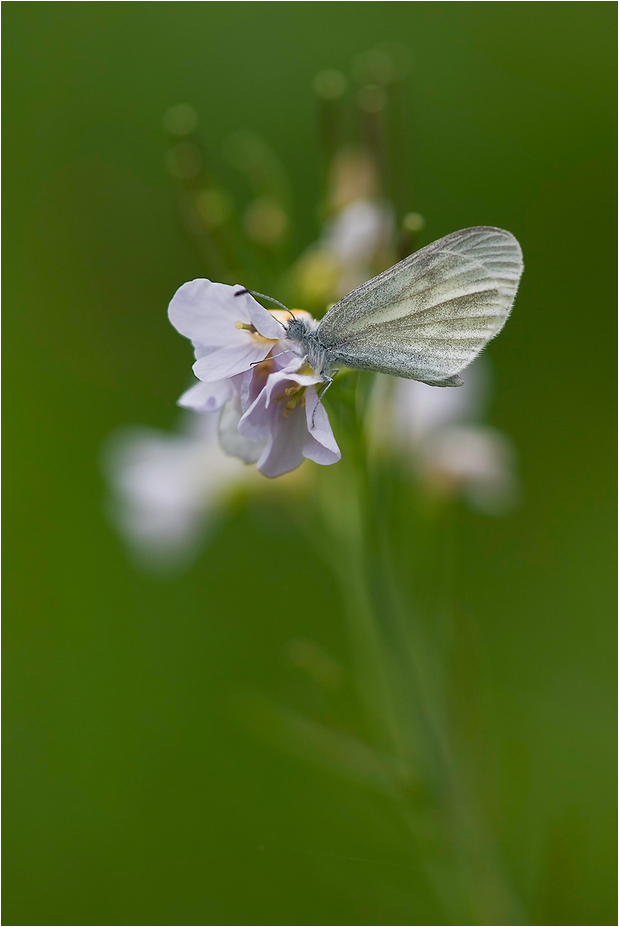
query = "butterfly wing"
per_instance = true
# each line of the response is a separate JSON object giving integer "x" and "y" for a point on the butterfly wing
{"x": 429, "y": 316}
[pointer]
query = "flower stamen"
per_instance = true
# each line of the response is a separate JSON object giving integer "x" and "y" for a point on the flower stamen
{"x": 298, "y": 392}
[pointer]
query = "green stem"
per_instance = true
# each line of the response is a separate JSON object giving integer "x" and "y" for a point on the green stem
{"x": 402, "y": 682}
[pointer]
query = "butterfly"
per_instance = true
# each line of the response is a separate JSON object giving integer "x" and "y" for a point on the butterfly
{"x": 425, "y": 318}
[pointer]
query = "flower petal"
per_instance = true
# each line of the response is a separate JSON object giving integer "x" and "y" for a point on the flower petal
{"x": 360, "y": 230}
{"x": 476, "y": 459}
{"x": 232, "y": 442}
{"x": 284, "y": 449}
{"x": 206, "y": 397}
{"x": 163, "y": 486}
{"x": 261, "y": 318}
{"x": 421, "y": 410}
{"x": 292, "y": 430}
{"x": 255, "y": 423}
{"x": 227, "y": 362}
{"x": 206, "y": 312}
{"x": 289, "y": 373}
{"x": 320, "y": 446}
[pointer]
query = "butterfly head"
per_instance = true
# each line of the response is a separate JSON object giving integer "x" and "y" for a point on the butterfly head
{"x": 296, "y": 329}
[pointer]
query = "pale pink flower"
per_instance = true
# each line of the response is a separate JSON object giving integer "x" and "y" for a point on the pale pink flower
{"x": 270, "y": 412}
{"x": 283, "y": 412}
{"x": 228, "y": 328}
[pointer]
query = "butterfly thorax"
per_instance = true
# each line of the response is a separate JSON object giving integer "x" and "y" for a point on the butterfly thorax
{"x": 308, "y": 345}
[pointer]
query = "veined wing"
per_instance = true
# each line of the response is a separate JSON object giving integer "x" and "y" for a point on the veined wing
{"x": 429, "y": 316}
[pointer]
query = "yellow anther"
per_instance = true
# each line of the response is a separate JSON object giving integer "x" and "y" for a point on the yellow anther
{"x": 240, "y": 325}
{"x": 299, "y": 397}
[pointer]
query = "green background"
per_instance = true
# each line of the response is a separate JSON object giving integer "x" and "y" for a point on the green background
{"x": 131, "y": 797}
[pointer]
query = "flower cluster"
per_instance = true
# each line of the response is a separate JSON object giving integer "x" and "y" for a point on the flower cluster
{"x": 269, "y": 406}
{"x": 254, "y": 398}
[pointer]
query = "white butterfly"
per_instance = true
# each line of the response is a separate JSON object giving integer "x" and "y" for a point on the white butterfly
{"x": 426, "y": 318}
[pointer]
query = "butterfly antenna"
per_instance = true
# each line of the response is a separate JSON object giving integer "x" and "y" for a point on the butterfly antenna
{"x": 268, "y": 299}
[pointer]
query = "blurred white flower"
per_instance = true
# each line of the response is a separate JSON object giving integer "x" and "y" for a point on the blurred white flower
{"x": 165, "y": 487}
{"x": 357, "y": 240}
{"x": 475, "y": 460}
{"x": 356, "y": 237}
{"x": 420, "y": 409}
{"x": 438, "y": 430}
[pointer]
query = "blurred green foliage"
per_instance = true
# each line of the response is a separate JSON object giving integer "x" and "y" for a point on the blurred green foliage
{"x": 132, "y": 795}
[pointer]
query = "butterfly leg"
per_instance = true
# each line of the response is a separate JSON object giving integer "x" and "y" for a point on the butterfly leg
{"x": 268, "y": 357}
{"x": 328, "y": 381}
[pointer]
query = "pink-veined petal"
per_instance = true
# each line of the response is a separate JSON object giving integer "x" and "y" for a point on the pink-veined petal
{"x": 227, "y": 362}
{"x": 206, "y": 312}
{"x": 255, "y": 421}
{"x": 291, "y": 424}
{"x": 320, "y": 446}
{"x": 288, "y": 373}
{"x": 206, "y": 396}
{"x": 284, "y": 448}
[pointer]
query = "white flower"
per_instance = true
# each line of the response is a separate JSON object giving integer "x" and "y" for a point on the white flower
{"x": 477, "y": 461}
{"x": 360, "y": 230}
{"x": 165, "y": 487}
{"x": 229, "y": 329}
{"x": 270, "y": 414}
{"x": 438, "y": 430}
{"x": 286, "y": 420}
{"x": 356, "y": 244}
{"x": 356, "y": 238}
{"x": 420, "y": 409}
